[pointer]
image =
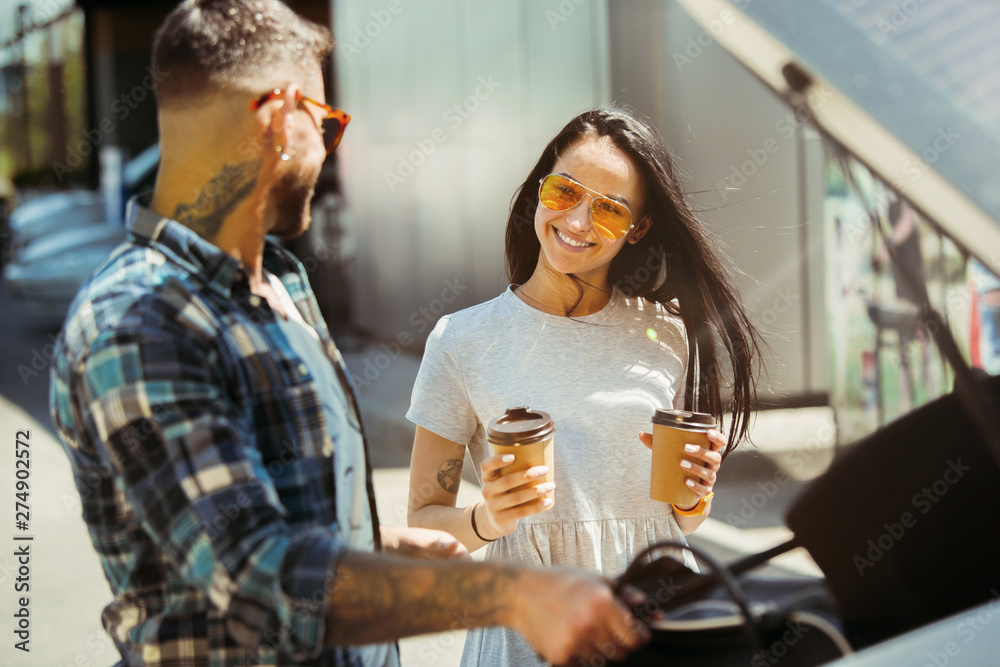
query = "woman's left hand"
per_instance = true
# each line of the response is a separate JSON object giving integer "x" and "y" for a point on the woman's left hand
{"x": 700, "y": 465}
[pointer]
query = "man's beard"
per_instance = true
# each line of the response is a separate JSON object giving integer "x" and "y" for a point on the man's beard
{"x": 291, "y": 198}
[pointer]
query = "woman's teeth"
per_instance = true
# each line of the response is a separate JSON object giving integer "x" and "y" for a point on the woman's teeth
{"x": 572, "y": 242}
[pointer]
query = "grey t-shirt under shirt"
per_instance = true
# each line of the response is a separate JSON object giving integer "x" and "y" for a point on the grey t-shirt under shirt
{"x": 354, "y": 519}
{"x": 600, "y": 377}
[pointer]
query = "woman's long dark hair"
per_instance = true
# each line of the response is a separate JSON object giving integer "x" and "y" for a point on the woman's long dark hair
{"x": 676, "y": 245}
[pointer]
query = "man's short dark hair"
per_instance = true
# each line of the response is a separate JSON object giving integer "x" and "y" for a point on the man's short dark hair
{"x": 211, "y": 45}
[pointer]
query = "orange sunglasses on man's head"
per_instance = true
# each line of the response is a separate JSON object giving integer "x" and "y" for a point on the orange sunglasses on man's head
{"x": 332, "y": 125}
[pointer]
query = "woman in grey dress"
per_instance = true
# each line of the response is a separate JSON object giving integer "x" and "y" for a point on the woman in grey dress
{"x": 619, "y": 304}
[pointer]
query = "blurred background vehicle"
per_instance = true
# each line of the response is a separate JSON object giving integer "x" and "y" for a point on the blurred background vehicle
{"x": 901, "y": 100}
{"x": 57, "y": 239}
{"x": 47, "y": 213}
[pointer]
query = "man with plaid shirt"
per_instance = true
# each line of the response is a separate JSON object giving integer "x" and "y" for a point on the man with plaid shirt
{"x": 213, "y": 432}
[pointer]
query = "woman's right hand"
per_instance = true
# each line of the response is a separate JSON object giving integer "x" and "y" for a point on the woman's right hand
{"x": 505, "y": 503}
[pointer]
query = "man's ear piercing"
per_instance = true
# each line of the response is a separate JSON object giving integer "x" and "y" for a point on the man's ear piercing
{"x": 285, "y": 156}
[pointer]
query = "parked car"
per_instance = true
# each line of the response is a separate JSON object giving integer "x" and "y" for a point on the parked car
{"x": 58, "y": 211}
{"x": 56, "y": 240}
{"x": 47, "y": 273}
{"x": 911, "y": 492}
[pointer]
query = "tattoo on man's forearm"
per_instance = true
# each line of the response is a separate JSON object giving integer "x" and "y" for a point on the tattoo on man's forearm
{"x": 378, "y": 601}
{"x": 450, "y": 475}
{"x": 220, "y": 197}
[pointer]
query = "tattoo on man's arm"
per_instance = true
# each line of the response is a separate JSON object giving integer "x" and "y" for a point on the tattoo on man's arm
{"x": 220, "y": 197}
{"x": 450, "y": 475}
{"x": 377, "y": 598}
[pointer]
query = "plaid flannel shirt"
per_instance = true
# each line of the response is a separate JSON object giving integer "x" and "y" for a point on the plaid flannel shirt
{"x": 200, "y": 454}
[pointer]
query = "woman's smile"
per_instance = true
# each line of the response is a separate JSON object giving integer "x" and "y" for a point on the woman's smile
{"x": 570, "y": 242}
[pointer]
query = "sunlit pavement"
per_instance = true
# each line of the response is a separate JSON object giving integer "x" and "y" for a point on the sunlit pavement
{"x": 67, "y": 589}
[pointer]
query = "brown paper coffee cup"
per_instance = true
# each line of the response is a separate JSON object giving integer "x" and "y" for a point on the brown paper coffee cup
{"x": 528, "y": 435}
{"x": 672, "y": 429}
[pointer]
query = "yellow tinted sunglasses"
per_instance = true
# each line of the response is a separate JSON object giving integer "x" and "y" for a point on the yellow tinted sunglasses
{"x": 612, "y": 219}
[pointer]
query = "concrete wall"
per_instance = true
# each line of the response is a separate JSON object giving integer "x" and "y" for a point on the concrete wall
{"x": 453, "y": 103}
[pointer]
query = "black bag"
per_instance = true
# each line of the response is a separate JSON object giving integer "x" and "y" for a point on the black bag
{"x": 729, "y": 617}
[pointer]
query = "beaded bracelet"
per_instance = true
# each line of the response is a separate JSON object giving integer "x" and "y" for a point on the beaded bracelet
{"x": 476, "y": 530}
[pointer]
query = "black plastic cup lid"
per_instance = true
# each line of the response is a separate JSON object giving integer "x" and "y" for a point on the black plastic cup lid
{"x": 521, "y": 426}
{"x": 692, "y": 421}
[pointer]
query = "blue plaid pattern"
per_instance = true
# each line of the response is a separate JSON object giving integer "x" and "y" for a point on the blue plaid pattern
{"x": 201, "y": 455}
